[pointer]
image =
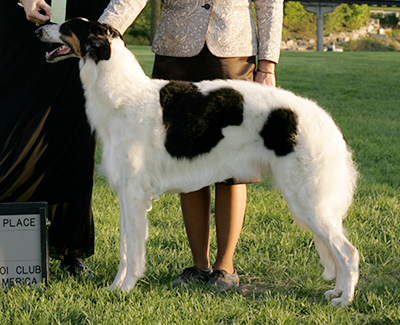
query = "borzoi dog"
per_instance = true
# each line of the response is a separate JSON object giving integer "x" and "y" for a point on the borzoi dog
{"x": 169, "y": 136}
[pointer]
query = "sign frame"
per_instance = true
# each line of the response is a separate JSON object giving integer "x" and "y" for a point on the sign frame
{"x": 32, "y": 208}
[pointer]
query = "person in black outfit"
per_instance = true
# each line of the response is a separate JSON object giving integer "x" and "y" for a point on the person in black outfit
{"x": 46, "y": 144}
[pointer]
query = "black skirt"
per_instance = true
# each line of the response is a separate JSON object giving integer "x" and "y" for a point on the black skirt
{"x": 46, "y": 144}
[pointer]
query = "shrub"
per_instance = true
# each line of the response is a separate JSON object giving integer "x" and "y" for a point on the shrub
{"x": 374, "y": 43}
{"x": 386, "y": 20}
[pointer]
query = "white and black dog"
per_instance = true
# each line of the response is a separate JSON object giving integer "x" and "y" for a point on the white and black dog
{"x": 169, "y": 136}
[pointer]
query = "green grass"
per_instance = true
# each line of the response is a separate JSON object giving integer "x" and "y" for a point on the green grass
{"x": 277, "y": 263}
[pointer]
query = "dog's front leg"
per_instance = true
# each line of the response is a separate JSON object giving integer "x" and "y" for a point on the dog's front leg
{"x": 133, "y": 231}
{"x": 120, "y": 277}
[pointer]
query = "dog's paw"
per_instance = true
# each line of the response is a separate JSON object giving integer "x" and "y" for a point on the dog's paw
{"x": 117, "y": 284}
{"x": 113, "y": 287}
{"x": 330, "y": 294}
{"x": 109, "y": 288}
{"x": 340, "y": 302}
{"x": 129, "y": 283}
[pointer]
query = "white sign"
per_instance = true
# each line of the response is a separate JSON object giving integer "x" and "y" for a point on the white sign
{"x": 23, "y": 249}
{"x": 58, "y": 10}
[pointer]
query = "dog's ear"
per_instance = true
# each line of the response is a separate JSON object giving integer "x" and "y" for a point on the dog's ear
{"x": 98, "y": 41}
{"x": 98, "y": 47}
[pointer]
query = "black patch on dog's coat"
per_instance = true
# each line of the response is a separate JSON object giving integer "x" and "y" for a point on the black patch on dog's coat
{"x": 280, "y": 130}
{"x": 194, "y": 121}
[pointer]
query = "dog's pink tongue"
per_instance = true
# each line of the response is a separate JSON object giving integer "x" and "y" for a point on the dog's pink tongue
{"x": 62, "y": 50}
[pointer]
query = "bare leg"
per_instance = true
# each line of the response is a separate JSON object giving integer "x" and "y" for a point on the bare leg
{"x": 196, "y": 208}
{"x": 230, "y": 207}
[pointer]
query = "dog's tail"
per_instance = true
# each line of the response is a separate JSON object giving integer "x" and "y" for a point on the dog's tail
{"x": 326, "y": 258}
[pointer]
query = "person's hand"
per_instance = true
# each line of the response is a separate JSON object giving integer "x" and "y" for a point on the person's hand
{"x": 36, "y": 11}
{"x": 265, "y": 73}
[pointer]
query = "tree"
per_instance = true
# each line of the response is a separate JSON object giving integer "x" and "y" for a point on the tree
{"x": 145, "y": 25}
{"x": 299, "y": 23}
{"x": 346, "y": 18}
{"x": 155, "y": 17}
{"x": 139, "y": 32}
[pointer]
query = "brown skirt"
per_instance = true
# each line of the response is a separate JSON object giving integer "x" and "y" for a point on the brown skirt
{"x": 206, "y": 66}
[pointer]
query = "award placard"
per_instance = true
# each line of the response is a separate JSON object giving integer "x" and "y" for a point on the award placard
{"x": 58, "y": 9}
{"x": 23, "y": 243}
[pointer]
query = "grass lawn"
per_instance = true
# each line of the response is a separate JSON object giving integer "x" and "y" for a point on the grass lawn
{"x": 281, "y": 280}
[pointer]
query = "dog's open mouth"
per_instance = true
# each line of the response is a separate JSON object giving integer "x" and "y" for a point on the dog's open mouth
{"x": 58, "y": 53}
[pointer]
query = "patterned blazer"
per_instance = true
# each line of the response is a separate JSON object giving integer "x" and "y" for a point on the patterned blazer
{"x": 227, "y": 26}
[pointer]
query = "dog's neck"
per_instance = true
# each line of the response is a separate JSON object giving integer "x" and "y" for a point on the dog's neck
{"x": 114, "y": 80}
{"x": 122, "y": 67}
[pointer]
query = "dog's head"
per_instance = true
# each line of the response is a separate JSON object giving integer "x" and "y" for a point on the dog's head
{"x": 79, "y": 38}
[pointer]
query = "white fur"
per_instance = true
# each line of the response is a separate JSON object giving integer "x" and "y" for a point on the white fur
{"x": 317, "y": 180}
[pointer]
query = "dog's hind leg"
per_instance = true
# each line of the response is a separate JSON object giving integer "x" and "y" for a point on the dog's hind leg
{"x": 337, "y": 255}
{"x": 347, "y": 259}
{"x": 342, "y": 257}
{"x": 119, "y": 278}
{"x": 320, "y": 205}
{"x": 326, "y": 258}
{"x": 336, "y": 252}
{"x": 332, "y": 268}
{"x": 134, "y": 228}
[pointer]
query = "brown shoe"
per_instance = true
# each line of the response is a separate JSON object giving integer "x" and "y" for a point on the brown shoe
{"x": 223, "y": 280}
{"x": 192, "y": 274}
